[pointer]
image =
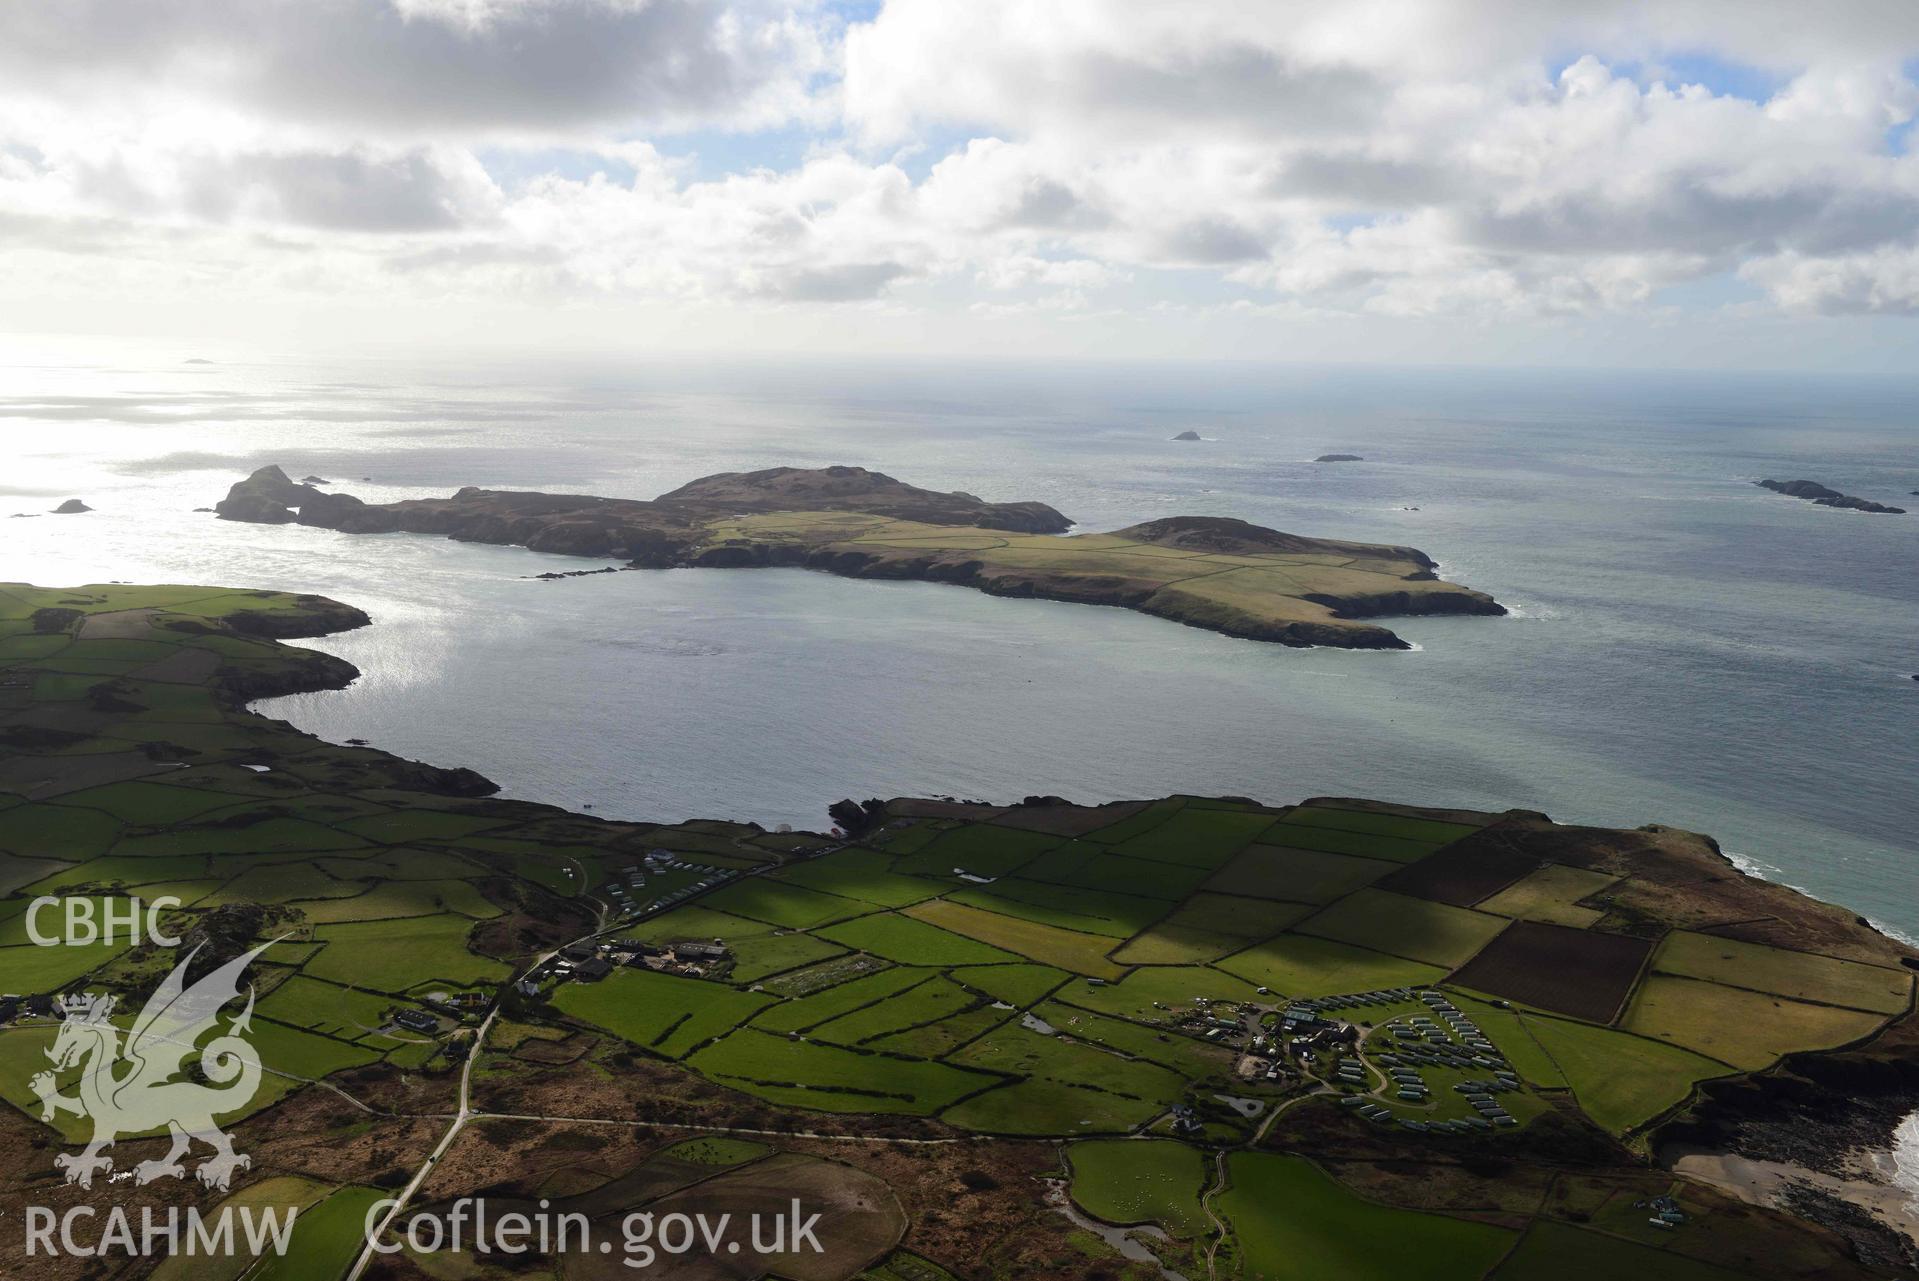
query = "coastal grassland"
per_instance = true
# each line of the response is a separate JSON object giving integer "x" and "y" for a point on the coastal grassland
{"x": 1207, "y": 927}
{"x": 834, "y": 1078}
{"x": 791, "y": 906}
{"x": 1749, "y": 1030}
{"x": 1417, "y": 929}
{"x": 664, "y": 1012}
{"x": 911, "y": 942}
{"x": 1292, "y": 1220}
{"x": 862, "y": 874}
{"x": 1552, "y": 895}
{"x": 1047, "y": 944}
{"x": 1301, "y": 965}
{"x": 392, "y": 956}
{"x": 1131, "y": 1181}
{"x": 1802, "y": 976}
{"x": 1620, "y": 1080}
{"x": 1296, "y": 875}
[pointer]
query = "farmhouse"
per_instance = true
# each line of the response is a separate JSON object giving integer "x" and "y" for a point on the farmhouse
{"x": 592, "y": 970}
{"x": 417, "y": 1021}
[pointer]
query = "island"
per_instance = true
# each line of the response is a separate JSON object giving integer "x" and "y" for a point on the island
{"x": 1188, "y": 435}
{"x": 1339, "y": 458}
{"x": 72, "y": 507}
{"x": 1212, "y": 572}
{"x": 1825, "y": 496}
{"x": 1193, "y": 1035}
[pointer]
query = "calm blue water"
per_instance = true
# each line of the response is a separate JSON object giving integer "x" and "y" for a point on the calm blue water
{"x": 1687, "y": 648}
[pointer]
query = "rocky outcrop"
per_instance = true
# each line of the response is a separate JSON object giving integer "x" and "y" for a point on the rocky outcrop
{"x": 1187, "y": 435}
{"x": 1813, "y": 491}
{"x": 72, "y": 507}
{"x": 1339, "y": 458}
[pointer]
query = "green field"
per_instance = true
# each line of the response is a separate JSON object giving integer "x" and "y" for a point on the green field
{"x": 1802, "y": 976}
{"x": 833, "y": 1078}
{"x": 1141, "y": 1181}
{"x": 1749, "y": 1030}
{"x": 1295, "y": 875}
{"x": 326, "y": 1238}
{"x": 793, "y": 906}
{"x": 1414, "y": 928}
{"x": 1559, "y": 1250}
{"x": 1621, "y": 1081}
{"x": 1551, "y": 894}
{"x": 1293, "y": 1223}
{"x": 861, "y": 874}
{"x": 807, "y": 1011}
{"x": 392, "y": 956}
{"x": 1047, "y": 944}
{"x": 660, "y": 1011}
{"x": 1207, "y": 927}
{"x": 1301, "y": 965}
{"x": 910, "y": 942}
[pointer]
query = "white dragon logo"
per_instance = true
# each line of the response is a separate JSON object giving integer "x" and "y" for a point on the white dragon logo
{"x": 150, "y": 1093}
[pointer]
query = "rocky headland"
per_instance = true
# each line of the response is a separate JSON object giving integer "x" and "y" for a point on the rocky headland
{"x": 1212, "y": 572}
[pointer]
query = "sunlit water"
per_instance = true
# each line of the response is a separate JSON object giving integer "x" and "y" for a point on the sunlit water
{"x": 1686, "y": 648}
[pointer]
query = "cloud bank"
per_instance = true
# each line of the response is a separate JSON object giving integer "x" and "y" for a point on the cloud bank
{"x": 1402, "y": 159}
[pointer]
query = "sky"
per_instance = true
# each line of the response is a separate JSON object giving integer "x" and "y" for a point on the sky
{"x": 1691, "y": 183}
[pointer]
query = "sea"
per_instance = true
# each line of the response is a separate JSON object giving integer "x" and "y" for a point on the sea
{"x": 1683, "y": 647}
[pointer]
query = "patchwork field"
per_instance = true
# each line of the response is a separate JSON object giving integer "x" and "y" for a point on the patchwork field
{"x": 1141, "y": 1181}
{"x": 999, "y": 978}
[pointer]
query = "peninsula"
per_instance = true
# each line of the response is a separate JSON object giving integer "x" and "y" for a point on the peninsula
{"x": 1211, "y": 572}
{"x": 1334, "y": 1038}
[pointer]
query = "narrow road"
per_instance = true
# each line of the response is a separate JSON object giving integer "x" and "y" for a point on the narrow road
{"x": 460, "y": 1119}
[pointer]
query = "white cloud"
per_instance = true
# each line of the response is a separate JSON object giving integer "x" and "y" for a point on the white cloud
{"x": 1397, "y": 159}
